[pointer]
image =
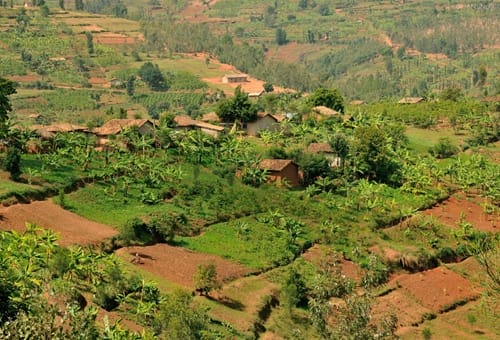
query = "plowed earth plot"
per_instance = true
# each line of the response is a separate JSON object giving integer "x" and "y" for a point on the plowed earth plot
{"x": 454, "y": 209}
{"x": 437, "y": 289}
{"x": 72, "y": 229}
{"x": 179, "y": 265}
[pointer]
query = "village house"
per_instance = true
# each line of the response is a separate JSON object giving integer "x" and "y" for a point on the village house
{"x": 280, "y": 170}
{"x": 319, "y": 113}
{"x": 357, "y": 102}
{"x": 113, "y": 127}
{"x": 234, "y": 78}
{"x": 411, "y": 100}
{"x": 210, "y": 117}
{"x": 49, "y": 131}
{"x": 326, "y": 150}
{"x": 255, "y": 94}
{"x": 264, "y": 121}
{"x": 116, "y": 83}
{"x": 187, "y": 123}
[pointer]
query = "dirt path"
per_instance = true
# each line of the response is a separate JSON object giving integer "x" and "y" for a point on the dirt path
{"x": 72, "y": 228}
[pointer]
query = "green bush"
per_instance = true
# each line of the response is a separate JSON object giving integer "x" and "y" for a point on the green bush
{"x": 443, "y": 149}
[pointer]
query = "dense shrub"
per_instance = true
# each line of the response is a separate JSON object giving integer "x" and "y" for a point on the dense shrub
{"x": 443, "y": 149}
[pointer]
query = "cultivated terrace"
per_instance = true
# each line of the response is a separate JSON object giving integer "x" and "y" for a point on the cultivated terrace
{"x": 249, "y": 169}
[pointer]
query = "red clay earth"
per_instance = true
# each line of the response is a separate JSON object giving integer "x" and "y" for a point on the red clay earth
{"x": 72, "y": 228}
{"x": 407, "y": 310}
{"x": 316, "y": 254}
{"x": 449, "y": 212}
{"x": 179, "y": 265}
{"x": 23, "y": 79}
{"x": 436, "y": 289}
{"x": 113, "y": 39}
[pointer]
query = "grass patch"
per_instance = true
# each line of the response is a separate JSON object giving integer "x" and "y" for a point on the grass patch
{"x": 421, "y": 140}
{"x": 94, "y": 203}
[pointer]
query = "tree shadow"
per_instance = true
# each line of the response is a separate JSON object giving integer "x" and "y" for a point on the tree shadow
{"x": 228, "y": 302}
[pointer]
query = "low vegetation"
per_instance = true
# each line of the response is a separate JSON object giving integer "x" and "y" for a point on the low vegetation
{"x": 362, "y": 199}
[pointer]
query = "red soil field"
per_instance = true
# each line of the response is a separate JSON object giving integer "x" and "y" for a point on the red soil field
{"x": 436, "y": 289}
{"x": 113, "y": 39}
{"x": 449, "y": 212}
{"x": 179, "y": 265}
{"x": 407, "y": 310}
{"x": 71, "y": 228}
{"x": 316, "y": 254}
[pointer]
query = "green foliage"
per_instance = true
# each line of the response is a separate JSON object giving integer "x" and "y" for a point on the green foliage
{"x": 313, "y": 166}
{"x": 90, "y": 42}
{"x": 178, "y": 318}
{"x": 7, "y": 88}
{"x": 330, "y": 98}
{"x": 12, "y": 162}
{"x": 281, "y": 36}
{"x": 205, "y": 278}
{"x": 294, "y": 289}
{"x": 113, "y": 7}
{"x": 151, "y": 74}
{"x": 373, "y": 156}
{"x": 376, "y": 273}
{"x": 452, "y": 93}
{"x": 443, "y": 149}
{"x": 237, "y": 108}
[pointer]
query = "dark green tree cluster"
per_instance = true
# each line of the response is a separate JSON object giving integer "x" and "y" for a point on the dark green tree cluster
{"x": 237, "y": 108}
{"x": 281, "y": 36}
{"x": 151, "y": 74}
{"x": 112, "y": 7}
{"x": 330, "y": 98}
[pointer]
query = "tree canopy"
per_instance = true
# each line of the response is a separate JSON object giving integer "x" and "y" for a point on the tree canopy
{"x": 7, "y": 88}
{"x": 151, "y": 74}
{"x": 238, "y": 108}
{"x": 327, "y": 97}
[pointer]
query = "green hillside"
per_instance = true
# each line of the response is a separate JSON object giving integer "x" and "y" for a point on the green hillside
{"x": 349, "y": 215}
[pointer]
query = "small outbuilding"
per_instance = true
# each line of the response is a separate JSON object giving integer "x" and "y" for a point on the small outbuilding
{"x": 264, "y": 121}
{"x": 281, "y": 170}
{"x": 116, "y": 126}
{"x": 187, "y": 123}
{"x": 411, "y": 100}
{"x": 234, "y": 78}
{"x": 326, "y": 150}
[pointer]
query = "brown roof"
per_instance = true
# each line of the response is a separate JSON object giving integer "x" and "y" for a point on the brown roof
{"x": 325, "y": 111}
{"x": 186, "y": 121}
{"x": 115, "y": 126}
{"x": 492, "y": 99}
{"x": 411, "y": 100}
{"x": 265, "y": 114}
{"x": 274, "y": 164}
{"x": 238, "y": 75}
{"x": 62, "y": 127}
{"x": 319, "y": 147}
{"x": 210, "y": 117}
{"x": 357, "y": 102}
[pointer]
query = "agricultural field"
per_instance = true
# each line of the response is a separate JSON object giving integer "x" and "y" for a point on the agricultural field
{"x": 384, "y": 222}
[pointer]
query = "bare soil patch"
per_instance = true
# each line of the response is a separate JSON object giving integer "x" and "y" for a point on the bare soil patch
{"x": 317, "y": 254}
{"x": 23, "y": 79}
{"x": 292, "y": 52}
{"x": 114, "y": 39}
{"x": 408, "y": 311}
{"x": 93, "y": 28}
{"x": 245, "y": 298}
{"x": 98, "y": 81}
{"x": 179, "y": 265}
{"x": 451, "y": 211}
{"x": 437, "y": 289}
{"x": 73, "y": 229}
